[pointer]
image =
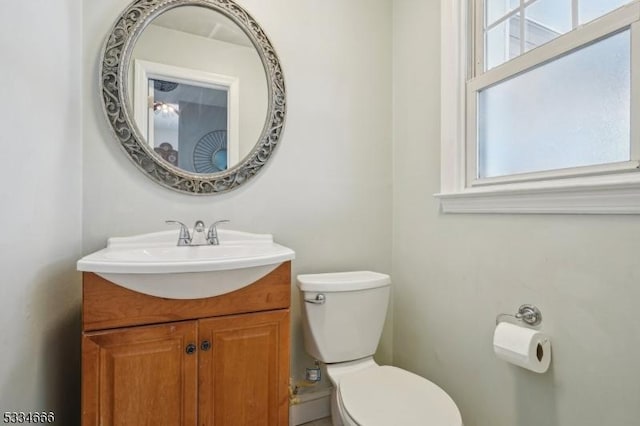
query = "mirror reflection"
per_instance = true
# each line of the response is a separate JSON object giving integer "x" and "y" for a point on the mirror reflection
{"x": 198, "y": 90}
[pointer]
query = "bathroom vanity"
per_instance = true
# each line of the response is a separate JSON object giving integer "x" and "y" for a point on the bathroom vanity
{"x": 222, "y": 360}
{"x": 189, "y": 327}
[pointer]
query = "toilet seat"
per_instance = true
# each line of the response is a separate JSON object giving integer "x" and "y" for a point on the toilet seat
{"x": 385, "y": 395}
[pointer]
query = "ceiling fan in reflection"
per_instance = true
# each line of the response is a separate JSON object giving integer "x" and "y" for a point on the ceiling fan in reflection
{"x": 166, "y": 108}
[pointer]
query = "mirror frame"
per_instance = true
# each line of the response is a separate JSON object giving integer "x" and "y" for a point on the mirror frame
{"x": 116, "y": 59}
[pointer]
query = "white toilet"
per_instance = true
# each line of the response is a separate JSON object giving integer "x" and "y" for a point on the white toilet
{"x": 343, "y": 315}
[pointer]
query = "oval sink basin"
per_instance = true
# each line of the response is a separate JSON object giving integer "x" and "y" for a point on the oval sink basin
{"x": 153, "y": 264}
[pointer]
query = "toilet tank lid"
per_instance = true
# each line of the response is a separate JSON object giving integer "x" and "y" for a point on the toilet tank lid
{"x": 343, "y": 281}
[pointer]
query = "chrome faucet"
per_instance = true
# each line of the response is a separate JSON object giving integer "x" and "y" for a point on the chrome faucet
{"x": 198, "y": 238}
{"x": 184, "y": 239}
{"x": 212, "y": 236}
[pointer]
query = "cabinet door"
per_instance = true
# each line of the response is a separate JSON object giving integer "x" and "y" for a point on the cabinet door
{"x": 244, "y": 376}
{"x": 140, "y": 376}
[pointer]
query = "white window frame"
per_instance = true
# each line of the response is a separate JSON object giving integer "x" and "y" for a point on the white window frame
{"x": 602, "y": 189}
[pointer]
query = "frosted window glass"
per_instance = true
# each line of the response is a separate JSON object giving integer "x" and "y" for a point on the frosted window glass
{"x": 589, "y": 10}
{"x": 574, "y": 111}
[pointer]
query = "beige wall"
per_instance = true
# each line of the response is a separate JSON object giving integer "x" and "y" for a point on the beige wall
{"x": 41, "y": 207}
{"x": 326, "y": 192}
{"x": 454, "y": 273}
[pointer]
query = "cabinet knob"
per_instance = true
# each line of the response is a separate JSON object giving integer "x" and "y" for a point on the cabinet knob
{"x": 190, "y": 349}
{"x": 205, "y": 345}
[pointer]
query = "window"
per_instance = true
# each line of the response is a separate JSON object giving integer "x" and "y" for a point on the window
{"x": 504, "y": 35}
{"x": 571, "y": 112}
{"x": 539, "y": 102}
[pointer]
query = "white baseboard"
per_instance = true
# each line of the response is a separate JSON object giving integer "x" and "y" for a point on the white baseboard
{"x": 311, "y": 406}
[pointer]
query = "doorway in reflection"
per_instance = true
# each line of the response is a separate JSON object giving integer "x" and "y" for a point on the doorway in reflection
{"x": 188, "y": 123}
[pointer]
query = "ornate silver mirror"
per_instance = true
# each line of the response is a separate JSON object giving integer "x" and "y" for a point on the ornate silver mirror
{"x": 194, "y": 92}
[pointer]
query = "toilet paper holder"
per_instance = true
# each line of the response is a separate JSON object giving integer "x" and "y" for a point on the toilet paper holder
{"x": 526, "y": 313}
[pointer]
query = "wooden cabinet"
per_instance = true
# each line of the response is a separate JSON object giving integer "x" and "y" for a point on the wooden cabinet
{"x": 220, "y": 367}
{"x": 240, "y": 377}
{"x": 140, "y": 376}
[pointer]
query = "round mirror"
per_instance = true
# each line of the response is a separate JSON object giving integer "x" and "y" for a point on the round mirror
{"x": 194, "y": 93}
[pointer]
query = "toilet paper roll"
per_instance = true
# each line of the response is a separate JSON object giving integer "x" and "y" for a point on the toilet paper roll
{"x": 522, "y": 346}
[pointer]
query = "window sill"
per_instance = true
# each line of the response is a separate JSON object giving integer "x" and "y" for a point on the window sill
{"x": 615, "y": 194}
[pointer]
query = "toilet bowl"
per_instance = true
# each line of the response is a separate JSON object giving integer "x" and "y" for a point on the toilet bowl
{"x": 343, "y": 316}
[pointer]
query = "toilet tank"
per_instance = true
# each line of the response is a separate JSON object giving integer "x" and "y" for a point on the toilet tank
{"x": 347, "y": 325}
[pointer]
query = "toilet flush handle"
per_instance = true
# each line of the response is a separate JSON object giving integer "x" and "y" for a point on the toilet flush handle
{"x": 319, "y": 299}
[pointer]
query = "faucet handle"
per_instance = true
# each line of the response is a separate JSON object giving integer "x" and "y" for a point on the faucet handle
{"x": 184, "y": 238}
{"x": 212, "y": 235}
